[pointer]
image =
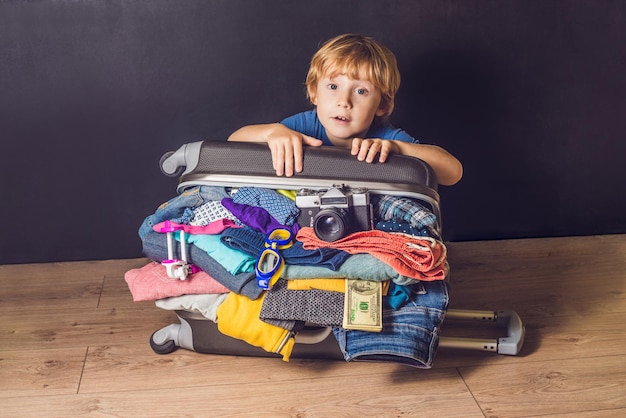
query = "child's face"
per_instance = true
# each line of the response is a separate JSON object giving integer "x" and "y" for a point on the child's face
{"x": 346, "y": 107}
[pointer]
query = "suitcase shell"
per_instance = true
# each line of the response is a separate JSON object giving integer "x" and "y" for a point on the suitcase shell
{"x": 239, "y": 164}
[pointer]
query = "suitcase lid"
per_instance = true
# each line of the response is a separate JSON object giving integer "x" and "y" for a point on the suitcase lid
{"x": 239, "y": 164}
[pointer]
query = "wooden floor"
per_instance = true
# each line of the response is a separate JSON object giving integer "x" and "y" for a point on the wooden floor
{"x": 72, "y": 343}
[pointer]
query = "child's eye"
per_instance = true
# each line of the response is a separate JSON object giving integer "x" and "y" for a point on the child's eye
{"x": 361, "y": 91}
{"x": 332, "y": 86}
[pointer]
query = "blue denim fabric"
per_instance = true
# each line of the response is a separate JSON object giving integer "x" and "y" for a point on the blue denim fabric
{"x": 180, "y": 206}
{"x": 155, "y": 248}
{"x": 410, "y": 334}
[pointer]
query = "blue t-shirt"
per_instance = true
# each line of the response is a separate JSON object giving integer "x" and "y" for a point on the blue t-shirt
{"x": 308, "y": 123}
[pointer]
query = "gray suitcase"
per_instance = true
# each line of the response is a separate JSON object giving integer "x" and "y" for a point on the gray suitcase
{"x": 237, "y": 164}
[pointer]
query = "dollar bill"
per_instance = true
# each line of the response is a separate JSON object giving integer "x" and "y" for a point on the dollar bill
{"x": 363, "y": 305}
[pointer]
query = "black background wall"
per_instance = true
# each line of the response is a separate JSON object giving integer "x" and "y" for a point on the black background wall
{"x": 530, "y": 95}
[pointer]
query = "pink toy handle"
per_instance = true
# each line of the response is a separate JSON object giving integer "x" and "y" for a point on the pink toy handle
{"x": 176, "y": 268}
{"x": 168, "y": 227}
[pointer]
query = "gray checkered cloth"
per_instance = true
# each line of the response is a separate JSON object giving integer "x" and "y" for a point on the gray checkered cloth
{"x": 211, "y": 212}
{"x": 319, "y": 307}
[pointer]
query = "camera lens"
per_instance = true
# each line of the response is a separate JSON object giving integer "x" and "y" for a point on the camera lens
{"x": 331, "y": 224}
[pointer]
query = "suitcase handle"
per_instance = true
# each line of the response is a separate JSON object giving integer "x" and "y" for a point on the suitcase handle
{"x": 183, "y": 160}
{"x": 313, "y": 336}
{"x": 509, "y": 320}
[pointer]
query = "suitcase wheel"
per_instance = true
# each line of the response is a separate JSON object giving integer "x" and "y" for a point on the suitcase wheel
{"x": 166, "y": 347}
{"x": 170, "y": 171}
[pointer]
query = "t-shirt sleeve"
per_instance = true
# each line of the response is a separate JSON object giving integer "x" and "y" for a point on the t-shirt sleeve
{"x": 303, "y": 122}
{"x": 307, "y": 123}
{"x": 391, "y": 132}
{"x": 294, "y": 122}
{"x": 403, "y": 136}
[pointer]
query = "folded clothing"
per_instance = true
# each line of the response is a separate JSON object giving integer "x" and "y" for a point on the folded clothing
{"x": 234, "y": 261}
{"x": 316, "y": 306}
{"x": 405, "y": 209}
{"x": 151, "y": 282}
{"x": 255, "y": 217}
{"x": 280, "y": 207}
{"x": 179, "y": 209}
{"x": 204, "y": 304}
{"x": 215, "y": 227}
{"x": 357, "y": 266}
{"x": 238, "y": 317}
{"x": 252, "y": 243}
{"x": 330, "y": 285}
{"x": 421, "y": 258}
{"x": 155, "y": 248}
{"x": 410, "y": 334}
{"x": 211, "y": 212}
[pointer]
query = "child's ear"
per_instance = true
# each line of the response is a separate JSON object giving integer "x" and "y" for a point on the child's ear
{"x": 384, "y": 108}
{"x": 312, "y": 95}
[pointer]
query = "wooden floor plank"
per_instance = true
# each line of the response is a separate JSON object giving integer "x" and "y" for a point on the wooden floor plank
{"x": 603, "y": 413}
{"x": 559, "y": 338}
{"x": 18, "y": 274}
{"x": 115, "y": 294}
{"x": 81, "y": 294}
{"x": 541, "y": 278}
{"x": 73, "y": 343}
{"x": 368, "y": 394}
{"x": 144, "y": 369}
{"x": 540, "y": 388}
{"x": 40, "y": 372}
{"x": 39, "y": 327}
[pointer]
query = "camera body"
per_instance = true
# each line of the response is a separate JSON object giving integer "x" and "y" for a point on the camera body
{"x": 336, "y": 212}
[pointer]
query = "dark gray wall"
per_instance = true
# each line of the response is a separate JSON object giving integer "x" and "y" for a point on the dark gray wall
{"x": 530, "y": 95}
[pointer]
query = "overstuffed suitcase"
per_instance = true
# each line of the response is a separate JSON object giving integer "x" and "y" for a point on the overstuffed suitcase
{"x": 235, "y": 165}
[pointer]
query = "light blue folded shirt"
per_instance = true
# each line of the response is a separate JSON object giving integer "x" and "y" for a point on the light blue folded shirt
{"x": 233, "y": 261}
{"x": 357, "y": 266}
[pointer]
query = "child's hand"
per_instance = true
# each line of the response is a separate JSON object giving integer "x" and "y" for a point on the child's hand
{"x": 366, "y": 149}
{"x": 286, "y": 147}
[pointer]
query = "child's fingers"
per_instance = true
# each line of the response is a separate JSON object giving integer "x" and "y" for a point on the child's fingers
{"x": 287, "y": 154}
{"x": 297, "y": 157}
{"x": 278, "y": 157}
{"x": 372, "y": 151}
{"x": 309, "y": 140}
{"x": 364, "y": 149}
{"x": 298, "y": 154}
{"x": 384, "y": 153}
{"x": 387, "y": 147}
{"x": 293, "y": 157}
{"x": 356, "y": 146}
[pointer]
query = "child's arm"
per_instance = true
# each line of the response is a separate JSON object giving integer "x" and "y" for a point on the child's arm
{"x": 286, "y": 147}
{"x": 284, "y": 143}
{"x": 447, "y": 168}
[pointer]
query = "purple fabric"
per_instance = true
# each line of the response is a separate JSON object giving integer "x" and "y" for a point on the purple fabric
{"x": 255, "y": 217}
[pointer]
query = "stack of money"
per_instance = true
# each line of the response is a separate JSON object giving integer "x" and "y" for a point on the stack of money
{"x": 363, "y": 306}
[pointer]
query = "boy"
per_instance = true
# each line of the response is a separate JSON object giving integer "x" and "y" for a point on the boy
{"x": 352, "y": 82}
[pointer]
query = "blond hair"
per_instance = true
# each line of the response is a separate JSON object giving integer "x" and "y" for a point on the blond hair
{"x": 355, "y": 55}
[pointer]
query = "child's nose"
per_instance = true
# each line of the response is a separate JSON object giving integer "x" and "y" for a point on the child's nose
{"x": 344, "y": 101}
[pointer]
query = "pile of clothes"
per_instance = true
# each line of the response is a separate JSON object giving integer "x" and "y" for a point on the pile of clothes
{"x": 226, "y": 231}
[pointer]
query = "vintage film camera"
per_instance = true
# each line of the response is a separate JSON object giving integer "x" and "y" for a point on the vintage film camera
{"x": 336, "y": 212}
